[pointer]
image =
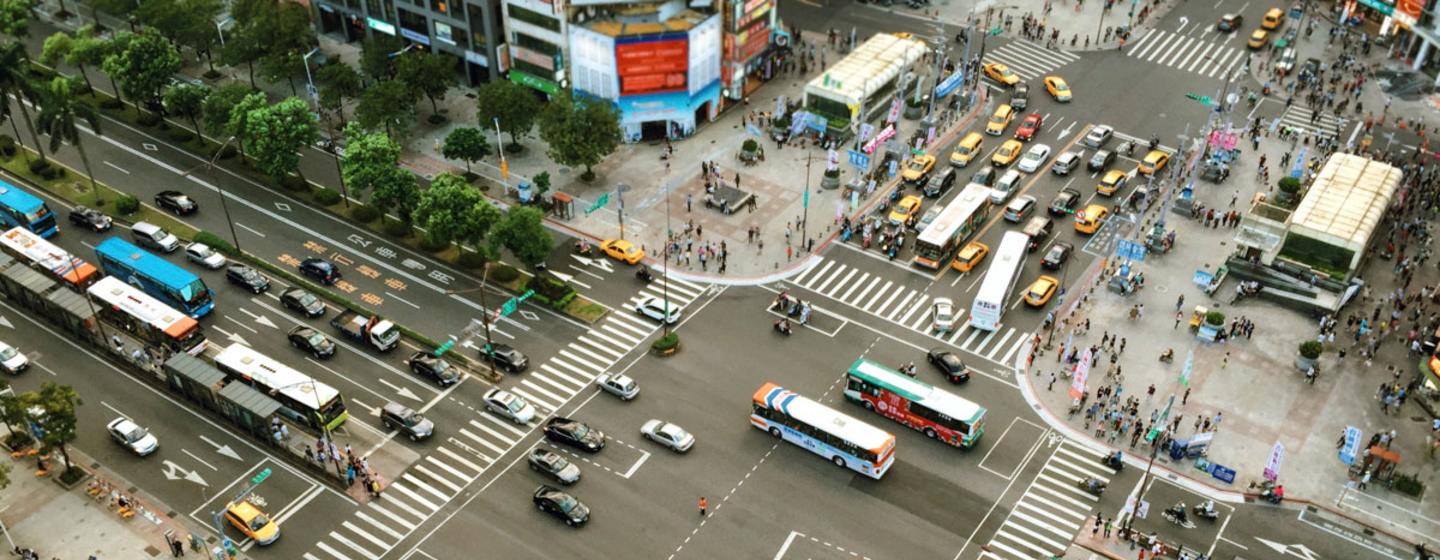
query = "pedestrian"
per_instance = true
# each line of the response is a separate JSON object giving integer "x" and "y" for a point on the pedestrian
{"x": 1225, "y": 361}
{"x": 689, "y": 198}
{"x": 1180, "y": 303}
{"x": 1365, "y": 479}
{"x": 1179, "y": 316}
{"x": 703, "y": 506}
{"x": 1186, "y": 397}
{"x": 1052, "y": 382}
{"x": 1109, "y": 524}
{"x": 1099, "y": 522}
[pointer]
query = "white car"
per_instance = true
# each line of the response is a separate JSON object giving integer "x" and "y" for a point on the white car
{"x": 12, "y": 360}
{"x": 1034, "y": 158}
{"x": 655, "y": 308}
{"x": 204, "y": 255}
{"x": 618, "y": 384}
{"x": 668, "y": 435}
{"x": 942, "y": 314}
{"x": 1067, "y": 162}
{"x": 512, "y": 407}
{"x": 129, "y": 434}
{"x": 1098, "y": 136}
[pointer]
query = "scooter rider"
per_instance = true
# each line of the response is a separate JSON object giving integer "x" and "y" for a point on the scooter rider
{"x": 1179, "y": 512}
{"x": 783, "y": 325}
{"x": 1207, "y": 509}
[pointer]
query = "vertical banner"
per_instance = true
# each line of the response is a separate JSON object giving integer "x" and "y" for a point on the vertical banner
{"x": 780, "y": 107}
{"x": 1351, "y": 447}
{"x": 1189, "y": 366}
{"x": 894, "y": 111}
{"x": 866, "y": 129}
{"x": 1272, "y": 465}
{"x": 930, "y": 135}
{"x": 1082, "y": 371}
{"x": 832, "y": 159}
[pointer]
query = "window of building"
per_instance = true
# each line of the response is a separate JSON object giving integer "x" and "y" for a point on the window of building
{"x": 414, "y": 22}
{"x": 447, "y": 34}
{"x": 440, "y": 6}
{"x": 534, "y": 18}
{"x": 538, "y": 45}
{"x": 534, "y": 69}
{"x": 477, "y": 27}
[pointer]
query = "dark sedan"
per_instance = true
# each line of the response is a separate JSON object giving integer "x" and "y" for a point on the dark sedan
{"x": 320, "y": 270}
{"x": 1065, "y": 202}
{"x": 302, "y": 302}
{"x": 949, "y": 365}
{"x": 561, "y": 505}
{"x": 1100, "y": 160}
{"x": 312, "y": 342}
{"x": 246, "y": 277}
{"x": 90, "y": 218}
{"x": 435, "y": 369}
{"x": 574, "y": 434}
{"x": 176, "y": 202}
{"x": 1057, "y": 255}
{"x": 504, "y": 357}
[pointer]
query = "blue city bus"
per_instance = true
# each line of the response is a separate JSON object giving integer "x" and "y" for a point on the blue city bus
{"x": 171, "y": 284}
{"x": 22, "y": 209}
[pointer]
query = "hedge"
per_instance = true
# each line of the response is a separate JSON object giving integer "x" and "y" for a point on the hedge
{"x": 127, "y": 204}
{"x": 364, "y": 213}
{"x": 666, "y": 342}
{"x": 327, "y": 197}
{"x": 1311, "y": 349}
{"x": 504, "y": 274}
{"x": 216, "y": 242}
{"x": 551, "y": 291}
{"x": 396, "y": 228}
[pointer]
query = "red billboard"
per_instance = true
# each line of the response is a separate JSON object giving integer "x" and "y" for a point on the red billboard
{"x": 652, "y": 66}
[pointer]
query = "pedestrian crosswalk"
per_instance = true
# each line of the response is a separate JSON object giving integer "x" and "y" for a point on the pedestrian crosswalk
{"x": 429, "y": 483}
{"x": 1298, "y": 117}
{"x": 1030, "y": 60}
{"x": 1188, "y": 54}
{"x": 1054, "y": 507}
{"x": 909, "y": 308}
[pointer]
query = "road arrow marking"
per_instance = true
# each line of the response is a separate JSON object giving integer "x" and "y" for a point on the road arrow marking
{"x": 222, "y": 449}
{"x": 1297, "y": 550}
{"x": 6, "y": 322}
{"x": 232, "y": 336}
{"x": 402, "y": 391}
{"x": 1065, "y": 132}
{"x": 259, "y": 318}
{"x": 176, "y": 472}
{"x": 1184, "y": 21}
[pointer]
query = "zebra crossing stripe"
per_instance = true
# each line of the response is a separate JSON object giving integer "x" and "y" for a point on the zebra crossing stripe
{"x": 1149, "y": 48}
{"x": 878, "y": 295}
{"x": 336, "y": 553}
{"x": 973, "y": 333}
{"x": 482, "y": 441}
{"x": 562, "y": 375}
{"x": 413, "y": 496}
{"x": 1008, "y": 334}
{"x": 1185, "y": 45}
{"x": 628, "y": 323}
{"x": 1055, "y": 492}
{"x": 538, "y": 401}
{"x": 1041, "y": 523}
{"x": 841, "y": 284}
{"x": 1013, "y": 349}
{"x": 365, "y": 534}
{"x": 918, "y": 305}
{"x": 1140, "y": 44}
{"x": 308, "y": 556}
{"x": 393, "y": 501}
{"x": 385, "y": 512}
{"x": 1002, "y": 546}
{"x": 1199, "y": 58}
{"x": 463, "y": 462}
{"x": 816, "y": 284}
{"x": 861, "y": 296}
{"x": 416, "y": 482}
{"x": 920, "y": 321}
{"x": 622, "y": 335}
{"x": 487, "y": 430}
{"x": 1044, "y": 539}
{"x": 557, "y": 386}
{"x": 808, "y": 278}
{"x": 846, "y": 296}
{"x": 589, "y": 365}
{"x": 440, "y": 479}
{"x": 909, "y": 295}
{"x": 533, "y": 386}
{"x": 1025, "y": 542}
{"x": 378, "y": 525}
{"x": 597, "y": 333}
{"x": 1053, "y": 514}
{"x": 505, "y": 425}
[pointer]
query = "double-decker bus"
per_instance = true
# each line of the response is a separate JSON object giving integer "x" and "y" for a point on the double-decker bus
{"x": 177, "y": 287}
{"x": 302, "y": 398}
{"x": 930, "y": 410}
{"x": 48, "y": 259}
{"x": 22, "y": 209}
{"x": 146, "y": 318}
{"x": 953, "y": 227}
{"x": 999, "y": 281}
{"x": 843, "y": 440}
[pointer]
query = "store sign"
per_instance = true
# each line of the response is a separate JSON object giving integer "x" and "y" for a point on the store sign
{"x": 1381, "y": 6}
{"x": 532, "y": 81}
{"x": 415, "y": 36}
{"x": 444, "y": 33}
{"x": 381, "y": 26}
{"x": 749, "y": 43}
{"x": 538, "y": 59}
{"x": 1408, "y": 11}
{"x": 476, "y": 58}
{"x": 652, "y": 66}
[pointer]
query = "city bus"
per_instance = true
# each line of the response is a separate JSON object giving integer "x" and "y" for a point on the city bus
{"x": 927, "y": 409}
{"x": 999, "y": 281}
{"x": 146, "y": 318}
{"x": 22, "y": 209}
{"x": 843, "y": 440}
{"x": 953, "y": 227}
{"x": 177, "y": 287}
{"x": 46, "y": 258}
{"x": 302, "y": 398}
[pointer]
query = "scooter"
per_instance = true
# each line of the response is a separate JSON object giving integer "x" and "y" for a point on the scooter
{"x": 1092, "y": 485}
{"x": 783, "y": 327}
{"x": 1168, "y": 355}
{"x": 1273, "y": 496}
{"x": 644, "y": 275}
{"x": 584, "y": 248}
{"x": 1178, "y": 518}
{"x": 1114, "y": 461}
{"x": 1203, "y": 513}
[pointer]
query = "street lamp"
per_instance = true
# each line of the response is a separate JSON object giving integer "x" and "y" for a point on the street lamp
{"x": 309, "y": 81}
{"x": 484, "y": 309}
{"x": 220, "y": 28}
{"x": 1144, "y": 480}
{"x": 220, "y": 186}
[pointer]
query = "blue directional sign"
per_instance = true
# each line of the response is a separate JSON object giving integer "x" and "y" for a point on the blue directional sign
{"x": 1222, "y": 473}
{"x": 1127, "y": 249}
{"x": 1299, "y": 163}
{"x": 859, "y": 159}
{"x": 894, "y": 167}
{"x": 1352, "y": 445}
{"x": 949, "y": 85}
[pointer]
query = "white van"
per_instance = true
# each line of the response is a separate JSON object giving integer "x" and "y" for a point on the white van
{"x": 1005, "y": 187}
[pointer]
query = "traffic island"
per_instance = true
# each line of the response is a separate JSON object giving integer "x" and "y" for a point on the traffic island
{"x": 666, "y": 345}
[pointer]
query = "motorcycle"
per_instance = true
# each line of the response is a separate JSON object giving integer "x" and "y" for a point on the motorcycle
{"x": 1092, "y": 485}
{"x": 644, "y": 275}
{"x": 1114, "y": 461}
{"x": 1168, "y": 355}
{"x": 1154, "y": 142}
{"x": 1206, "y": 511}
{"x": 1274, "y": 496}
{"x": 1128, "y": 148}
{"x": 783, "y": 327}
{"x": 1177, "y": 516}
{"x": 584, "y": 248}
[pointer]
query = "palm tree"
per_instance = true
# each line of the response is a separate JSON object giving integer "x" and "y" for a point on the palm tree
{"x": 60, "y": 112}
{"x": 15, "y": 82}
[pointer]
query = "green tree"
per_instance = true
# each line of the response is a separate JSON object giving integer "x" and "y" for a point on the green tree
{"x": 190, "y": 23}
{"x": 580, "y": 132}
{"x": 389, "y": 105}
{"x": 282, "y": 66}
{"x": 542, "y": 183}
{"x": 219, "y": 104}
{"x": 187, "y": 101}
{"x": 372, "y": 165}
{"x": 452, "y": 210}
{"x": 243, "y": 46}
{"x": 523, "y": 232}
{"x": 512, "y": 105}
{"x": 240, "y": 115}
{"x": 338, "y": 83}
{"x": 59, "y": 419}
{"x": 467, "y": 144}
{"x": 61, "y": 111}
{"x": 15, "y": 17}
{"x": 377, "y": 56}
{"x": 122, "y": 9}
{"x": 57, "y": 46}
{"x": 277, "y": 133}
{"x": 428, "y": 74}
{"x": 398, "y": 192}
{"x": 15, "y": 82}
{"x": 87, "y": 49}
{"x": 13, "y": 414}
{"x": 144, "y": 68}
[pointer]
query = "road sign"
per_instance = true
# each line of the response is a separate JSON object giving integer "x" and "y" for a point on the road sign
{"x": 444, "y": 348}
{"x": 996, "y": 31}
{"x": 859, "y": 159}
{"x": 1127, "y": 249}
{"x": 1197, "y": 97}
{"x": 513, "y": 303}
{"x": 805, "y": 199}
{"x": 258, "y": 478}
{"x": 1222, "y": 473}
{"x": 599, "y": 203}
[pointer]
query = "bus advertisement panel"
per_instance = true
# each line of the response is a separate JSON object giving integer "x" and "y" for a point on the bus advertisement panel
{"x": 914, "y": 403}
{"x": 953, "y": 227}
{"x": 302, "y": 398}
{"x": 843, "y": 440}
{"x": 177, "y": 287}
{"x": 22, "y": 209}
{"x": 147, "y": 318}
{"x": 999, "y": 281}
{"x": 48, "y": 259}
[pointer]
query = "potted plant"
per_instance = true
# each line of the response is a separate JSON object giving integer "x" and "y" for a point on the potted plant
{"x": 1289, "y": 186}
{"x": 748, "y": 149}
{"x": 1309, "y": 354}
{"x": 913, "y": 108}
{"x": 666, "y": 345}
{"x": 1215, "y": 319}
{"x": 831, "y": 180}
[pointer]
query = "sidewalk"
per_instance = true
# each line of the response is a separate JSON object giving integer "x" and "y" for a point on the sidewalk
{"x": 1077, "y": 20}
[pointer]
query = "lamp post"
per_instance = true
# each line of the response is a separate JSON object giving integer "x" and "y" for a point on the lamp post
{"x": 665, "y": 255}
{"x": 309, "y": 80}
{"x": 220, "y": 186}
{"x": 484, "y": 309}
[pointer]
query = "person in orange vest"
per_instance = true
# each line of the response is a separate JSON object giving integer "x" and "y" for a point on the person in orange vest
{"x": 703, "y": 506}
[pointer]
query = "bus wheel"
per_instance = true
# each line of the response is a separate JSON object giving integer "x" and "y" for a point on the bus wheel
{"x": 930, "y": 433}
{"x": 838, "y": 460}
{"x": 775, "y": 432}
{"x": 868, "y": 405}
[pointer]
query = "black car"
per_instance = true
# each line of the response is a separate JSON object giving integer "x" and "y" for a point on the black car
{"x": 312, "y": 341}
{"x": 1100, "y": 160}
{"x": 1058, "y": 254}
{"x": 433, "y": 368}
{"x": 1020, "y": 96}
{"x": 574, "y": 434}
{"x": 246, "y": 277}
{"x": 551, "y": 464}
{"x": 949, "y": 365}
{"x": 504, "y": 357}
{"x": 985, "y": 176}
{"x": 90, "y": 218}
{"x": 1065, "y": 202}
{"x": 176, "y": 202}
{"x": 320, "y": 270}
{"x": 559, "y": 504}
{"x": 1230, "y": 22}
{"x": 303, "y": 302}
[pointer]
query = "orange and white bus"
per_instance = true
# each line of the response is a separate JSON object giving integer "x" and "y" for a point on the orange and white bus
{"x": 156, "y": 324}
{"x": 48, "y": 259}
{"x": 843, "y": 440}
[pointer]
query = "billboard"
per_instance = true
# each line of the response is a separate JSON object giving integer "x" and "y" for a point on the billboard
{"x": 652, "y": 65}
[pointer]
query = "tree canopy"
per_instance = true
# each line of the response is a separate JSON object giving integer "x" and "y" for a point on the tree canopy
{"x": 580, "y": 132}
{"x": 219, "y": 105}
{"x": 523, "y": 232}
{"x": 187, "y": 101}
{"x": 512, "y": 104}
{"x": 389, "y": 105}
{"x": 452, "y": 210}
{"x": 429, "y": 74}
{"x": 144, "y": 67}
{"x": 467, "y": 144}
{"x": 372, "y": 165}
{"x": 338, "y": 83}
{"x": 276, "y": 134}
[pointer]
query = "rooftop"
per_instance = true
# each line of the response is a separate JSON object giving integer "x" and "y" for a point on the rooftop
{"x": 1346, "y": 201}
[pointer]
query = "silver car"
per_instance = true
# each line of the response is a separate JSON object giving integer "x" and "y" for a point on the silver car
{"x": 1034, "y": 158}
{"x": 129, "y": 434}
{"x": 1098, "y": 135}
{"x": 1067, "y": 162}
{"x": 618, "y": 384}
{"x": 204, "y": 255}
{"x": 551, "y": 464}
{"x": 668, "y": 435}
{"x": 509, "y": 405}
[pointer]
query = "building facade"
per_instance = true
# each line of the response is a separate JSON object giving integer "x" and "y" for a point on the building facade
{"x": 465, "y": 29}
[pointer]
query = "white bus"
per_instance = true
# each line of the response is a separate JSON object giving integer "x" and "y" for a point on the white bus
{"x": 302, "y": 399}
{"x": 845, "y": 441}
{"x": 955, "y": 224}
{"x": 999, "y": 281}
{"x": 148, "y": 319}
{"x": 48, "y": 259}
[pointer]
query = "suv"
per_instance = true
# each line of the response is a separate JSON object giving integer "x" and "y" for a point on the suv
{"x": 155, "y": 237}
{"x": 940, "y": 183}
{"x": 435, "y": 369}
{"x": 505, "y": 357}
{"x": 396, "y": 416}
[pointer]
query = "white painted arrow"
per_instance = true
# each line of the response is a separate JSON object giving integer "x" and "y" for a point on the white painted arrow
{"x": 1298, "y": 550}
{"x": 1065, "y": 132}
{"x": 6, "y": 322}
{"x": 232, "y": 336}
{"x": 1184, "y": 21}
{"x": 222, "y": 449}
{"x": 176, "y": 472}
{"x": 259, "y": 318}
{"x": 402, "y": 391}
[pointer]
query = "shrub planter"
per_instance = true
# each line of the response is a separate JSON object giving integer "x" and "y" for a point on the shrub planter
{"x": 831, "y": 179}
{"x": 72, "y": 477}
{"x": 1309, "y": 354}
{"x": 666, "y": 345}
{"x": 913, "y": 109}
{"x": 749, "y": 149}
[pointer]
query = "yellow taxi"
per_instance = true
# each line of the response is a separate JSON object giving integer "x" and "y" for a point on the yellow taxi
{"x": 622, "y": 250}
{"x": 1041, "y": 290}
{"x": 1112, "y": 182}
{"x": 905, "y": 210}
{"x": 1001, "y": 73}
{"x": 967, "y": 149}
{"x": 252, "y": 522}
{"x": 1001, "y": 119}
{"x": 1007, "y": 154}
{"x": 969, "y": 256}
{"x": 1258, "y": 39}
{"x": 1090, "y": 219}
{"x": 1154, "y": 161}
{"x": 1273, "y": 19}
{"x": 917, "y": 170}
{"x": 1057, "y": 88}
